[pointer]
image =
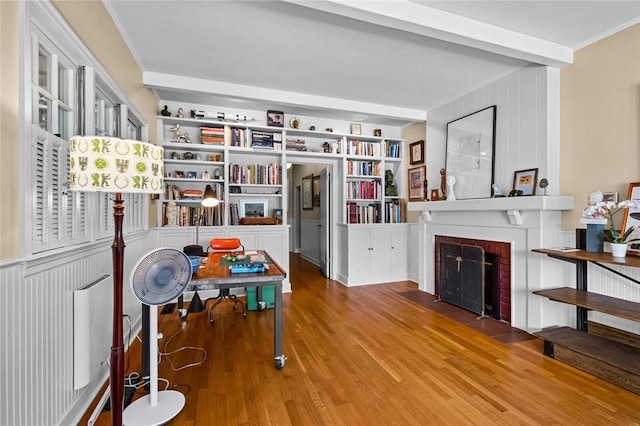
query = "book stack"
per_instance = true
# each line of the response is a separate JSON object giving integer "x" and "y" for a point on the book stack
{"x": 364, "y": 190}
{"x": 212, "y": 135}
{"x": 296, "y": 145}
{"x": 192, "y": 194}
{"x": 256, "y": 174}
{"x": 363, "y": 213}
{"x": 394, "y": 150}
{"x": 266, "y": 140}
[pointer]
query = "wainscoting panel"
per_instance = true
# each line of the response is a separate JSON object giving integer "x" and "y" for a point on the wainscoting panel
{"x": 36, "y": 355}
{"x": 310, "y": 239}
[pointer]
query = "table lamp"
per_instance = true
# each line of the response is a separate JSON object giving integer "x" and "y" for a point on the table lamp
{"x": 106, "y": 164}
{"x": 209, "y": 199}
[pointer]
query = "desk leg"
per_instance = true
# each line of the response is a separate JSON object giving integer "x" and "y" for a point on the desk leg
{"x": 581, "y": 284}
{"x": 277, "y": 328}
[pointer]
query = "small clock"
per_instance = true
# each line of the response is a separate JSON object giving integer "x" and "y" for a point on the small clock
{"x": 294, "y": 123}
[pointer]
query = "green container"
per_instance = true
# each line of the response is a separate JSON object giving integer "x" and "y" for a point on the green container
{"x": 267, "y": 295}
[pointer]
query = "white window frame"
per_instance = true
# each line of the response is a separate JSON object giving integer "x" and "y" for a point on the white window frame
{"x": 65, "y": 223}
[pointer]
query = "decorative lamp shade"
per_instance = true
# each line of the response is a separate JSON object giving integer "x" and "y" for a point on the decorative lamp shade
{"x": 106, "y": 164}
{"x": 209, "y": 198}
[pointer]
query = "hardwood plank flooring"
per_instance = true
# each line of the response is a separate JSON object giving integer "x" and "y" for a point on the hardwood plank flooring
{"x": 371, "y": 356}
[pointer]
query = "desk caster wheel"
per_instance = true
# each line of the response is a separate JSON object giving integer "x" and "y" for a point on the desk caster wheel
{"x": 280, "y": 362}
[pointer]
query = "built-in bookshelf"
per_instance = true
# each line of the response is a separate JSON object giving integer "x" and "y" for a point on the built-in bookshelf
{"x": 244, "y": 161}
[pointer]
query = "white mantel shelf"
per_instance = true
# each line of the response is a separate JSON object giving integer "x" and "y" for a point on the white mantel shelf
{"x": 511, "y": 205}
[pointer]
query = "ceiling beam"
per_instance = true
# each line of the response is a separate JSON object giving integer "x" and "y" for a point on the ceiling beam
{"x": 155, "y": 80}
{"x": 415, "y": 18}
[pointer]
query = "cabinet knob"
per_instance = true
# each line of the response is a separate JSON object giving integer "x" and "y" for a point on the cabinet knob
{"x": 392, "y": 247}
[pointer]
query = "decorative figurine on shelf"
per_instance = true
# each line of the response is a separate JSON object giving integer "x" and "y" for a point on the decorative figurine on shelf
{"x": 326, "y": 147}
{"x": 544, "y": 183}
{"x": 178, "y": 137}
{"x": 389, "y": 186}
{"x": 334, "y": 148}
{"x": 435, "y": 195}
{"x": 180, "y": 113}
{"x": 451, "y": 180}
{"x": 443, "y": 183}
{"x": 496, "y": 192}
{"x": 172, "y": 214}
{"x": 312, "y": 128}
{"x": 377, "y": 132}
{"x": 165, "y": 112}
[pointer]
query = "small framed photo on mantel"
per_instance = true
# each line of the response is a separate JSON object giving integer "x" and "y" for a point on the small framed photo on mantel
{"x": 525, "y": 181}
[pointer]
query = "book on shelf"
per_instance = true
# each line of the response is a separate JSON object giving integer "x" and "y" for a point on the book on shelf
{"x": 394, "y": 211}
{"x": 363, "y": 213}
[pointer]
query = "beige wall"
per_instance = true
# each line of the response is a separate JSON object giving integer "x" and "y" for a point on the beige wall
{"x": 600, "y": 120}
{"x": 9, "y": 131}
{"x": 295, "y": 175}
{"x": 103, "y": 39}
{"x": 411, "y": 134}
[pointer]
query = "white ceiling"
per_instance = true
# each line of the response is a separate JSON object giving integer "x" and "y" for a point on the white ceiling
{"x": 394, "y": 60}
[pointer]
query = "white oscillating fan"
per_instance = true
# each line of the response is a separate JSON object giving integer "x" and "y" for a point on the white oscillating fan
{"x": 160, "y": 276}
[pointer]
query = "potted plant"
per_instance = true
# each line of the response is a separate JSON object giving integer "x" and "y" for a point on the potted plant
{"x": 607, "y": 210}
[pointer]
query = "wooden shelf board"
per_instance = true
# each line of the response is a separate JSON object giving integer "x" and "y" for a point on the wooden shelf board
{"x": 594, "y": 301}
{"x": 619, "y": 355}
{"x": 629, "y": 260}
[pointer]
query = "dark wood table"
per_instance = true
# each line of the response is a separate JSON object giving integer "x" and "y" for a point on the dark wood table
{"x": 212, "y": 276}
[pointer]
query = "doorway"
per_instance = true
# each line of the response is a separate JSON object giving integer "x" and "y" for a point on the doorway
{"x": 310, "y": 213}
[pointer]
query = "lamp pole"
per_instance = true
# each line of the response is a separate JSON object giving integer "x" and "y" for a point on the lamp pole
{"x": 117, "y": 344}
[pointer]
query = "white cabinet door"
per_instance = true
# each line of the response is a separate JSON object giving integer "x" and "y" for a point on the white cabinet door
{"x": 359, "y": 253}
{"x": 398, "y": 257}
{"x": 379, "y": 261}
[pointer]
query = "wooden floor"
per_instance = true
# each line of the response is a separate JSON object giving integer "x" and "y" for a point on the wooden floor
{"x": 370, "y": 356}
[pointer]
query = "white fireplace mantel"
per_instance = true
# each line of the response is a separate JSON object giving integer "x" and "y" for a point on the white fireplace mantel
{"x": 513, "y": 206}
{"x": 524, "y": 222}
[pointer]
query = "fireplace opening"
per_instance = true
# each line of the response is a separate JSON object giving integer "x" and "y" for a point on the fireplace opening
{"x": 474, "y": 275}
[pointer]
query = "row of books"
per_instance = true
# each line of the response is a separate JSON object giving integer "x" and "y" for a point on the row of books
{"x": 363, "y": 168}
{"x": 393, "y": 150}
{"x": 370, "y": 149}
{"x": 364, "y": 190}
{"x": 234, "y": 218}
{"x": 394, "y": 211}
{"x": 245, "y": 138}
{"x": 188, "y": 216}
{"x": 363, "y": 213}
{"x": 173, "y": 192}
{"x": 256, "y": 174}
{"x": 212, "y": 135}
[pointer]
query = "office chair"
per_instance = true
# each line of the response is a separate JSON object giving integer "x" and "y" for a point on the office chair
{"x": 227, "y": 245}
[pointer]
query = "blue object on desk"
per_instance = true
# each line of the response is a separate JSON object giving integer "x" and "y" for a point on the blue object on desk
{"x": 595, "y": 237}
{"x": 247, "y": 268}
{"x": 195, "y": 263}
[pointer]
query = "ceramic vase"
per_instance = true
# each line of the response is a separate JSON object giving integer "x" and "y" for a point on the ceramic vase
{"x": 618, "y": 250}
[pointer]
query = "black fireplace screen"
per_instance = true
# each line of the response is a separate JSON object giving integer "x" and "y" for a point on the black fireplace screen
{"x": 462, "y": 269}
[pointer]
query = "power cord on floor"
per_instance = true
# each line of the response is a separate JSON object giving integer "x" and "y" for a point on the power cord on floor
{"x": 167, "y": 354}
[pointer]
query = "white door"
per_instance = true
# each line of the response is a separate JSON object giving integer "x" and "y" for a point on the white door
{"x": 325, "y": 220}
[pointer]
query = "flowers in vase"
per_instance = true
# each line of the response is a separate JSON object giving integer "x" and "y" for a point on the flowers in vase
{"x": 598, "y": 209}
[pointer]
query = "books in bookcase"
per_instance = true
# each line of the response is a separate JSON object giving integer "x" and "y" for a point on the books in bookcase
{"x": 188, "y": 215}
{"x": 212, "y": 135}
{"x": 363, "y": 213}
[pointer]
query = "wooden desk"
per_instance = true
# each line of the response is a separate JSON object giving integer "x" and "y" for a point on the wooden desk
{"x": 212, "y": 276}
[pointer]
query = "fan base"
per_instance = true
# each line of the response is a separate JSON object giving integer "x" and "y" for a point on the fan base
{"x": 141, "y": 412}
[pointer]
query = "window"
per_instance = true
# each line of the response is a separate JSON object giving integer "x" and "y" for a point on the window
{"x": 68, "y": 98}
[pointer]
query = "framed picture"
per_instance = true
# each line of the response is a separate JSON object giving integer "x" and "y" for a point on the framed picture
{"x": 417, "y": 177}
{"x": 253, "y": 208}
{"x": 632, "y": 218}
{"x": 470, "y": 152}
{"x": 307, "y": 192}
{"x": 179, "y": 174}
{"x": 416, "y": 153}
{"x": 275, "y": 118}
{"x": 316, "y": 191}
{"x": 610, "y": 196}
{"x": 192, "y": 175}
{"x": 525, "y": 181}
{"x": 356, "y": 129}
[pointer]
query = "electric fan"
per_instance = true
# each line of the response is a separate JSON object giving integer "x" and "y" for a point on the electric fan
{"x": 159, "y": 277}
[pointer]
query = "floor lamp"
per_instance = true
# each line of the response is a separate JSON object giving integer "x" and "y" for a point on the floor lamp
{"x": 105, "y": 164}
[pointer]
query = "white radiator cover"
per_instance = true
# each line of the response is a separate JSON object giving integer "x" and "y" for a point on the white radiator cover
{"x": 92, "y": 318}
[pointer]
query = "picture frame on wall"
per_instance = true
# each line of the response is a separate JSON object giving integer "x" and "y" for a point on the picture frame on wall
{"x": 631, "y": 218}
{"x": 307, "y": 192}
{"x": 470, "y": 153}
{"x": 356, "y": 129}
{"x": 416, "y": 153}
{"x": 275, "y": 118}
{"x": 525, "y": 181}
{"x": 316, "y": 191}
{"x": 416, "y": 179}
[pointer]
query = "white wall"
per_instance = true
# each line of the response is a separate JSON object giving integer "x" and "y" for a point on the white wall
{"x": 527, "y": 125}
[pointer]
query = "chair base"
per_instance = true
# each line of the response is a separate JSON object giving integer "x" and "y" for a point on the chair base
{"x": 224, "y": 294}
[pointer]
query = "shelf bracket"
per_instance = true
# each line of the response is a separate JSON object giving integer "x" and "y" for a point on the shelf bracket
{"x": 515, "y": 217}
{"x": 426, "y": 216}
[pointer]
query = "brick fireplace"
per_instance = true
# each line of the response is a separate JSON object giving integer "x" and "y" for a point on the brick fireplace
{"x": 511, "y": 227}
{"x": 501, "y": 281}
